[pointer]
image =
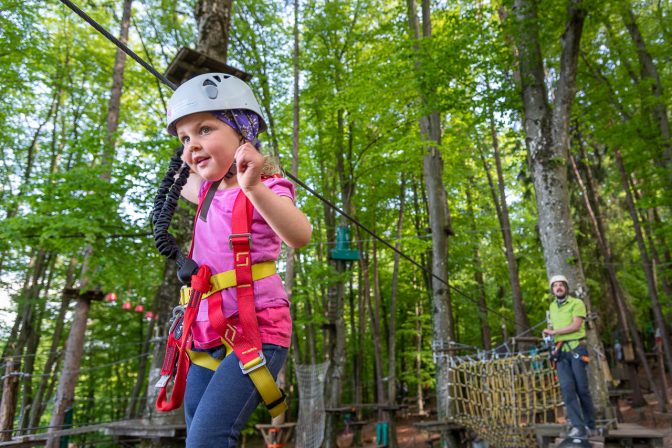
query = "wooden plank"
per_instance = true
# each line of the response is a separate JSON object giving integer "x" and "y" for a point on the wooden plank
{"x": 39, "y": 439}
{"x": 631, "y": 430}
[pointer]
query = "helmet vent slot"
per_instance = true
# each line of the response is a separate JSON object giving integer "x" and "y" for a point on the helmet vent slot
{"x": 210, "y": 89}
{"x": 217, "y": 78}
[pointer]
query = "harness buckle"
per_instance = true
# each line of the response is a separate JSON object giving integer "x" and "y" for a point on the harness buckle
{"x": 254, "y": 367}
{"x": 239, "y": 235}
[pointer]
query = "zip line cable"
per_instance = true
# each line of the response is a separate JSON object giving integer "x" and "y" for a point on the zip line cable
{"x": 397, "y": 251}
{"x": 118, "y": 43}
{"x": 163, "y": 79}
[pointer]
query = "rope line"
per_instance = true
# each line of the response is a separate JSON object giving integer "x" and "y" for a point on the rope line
{"x": 90, "y": 369}
{"x": 400, "y": 253}
{"x": 118, "y": 43}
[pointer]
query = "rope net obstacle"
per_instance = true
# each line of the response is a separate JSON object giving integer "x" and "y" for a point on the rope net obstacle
{"x": 310, "y": 425}
{"x": 502, "y": 399}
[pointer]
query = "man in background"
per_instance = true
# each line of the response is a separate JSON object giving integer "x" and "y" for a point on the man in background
{"x": 568, "y": 329}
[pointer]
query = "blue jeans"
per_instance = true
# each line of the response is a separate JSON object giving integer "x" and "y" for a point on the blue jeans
{"x": 218, "y": 404}
{"x": 573, "y": 376}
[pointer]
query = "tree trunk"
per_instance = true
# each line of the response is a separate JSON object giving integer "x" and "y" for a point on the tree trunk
{"x": 650, "y": 76}
{"x": 646, "y": 262}
{"x": 547, "y": 131}
{"x": 374, "y": 315}
{"x": 73, "y": 354}
{"x": 9, "y": 385}
{"x": 648, "y": 217}
{"x": 624, "y": 314}
{"x": 74, "y": 348}
{"x": 337, "y": 360}
{"x": 336, "y": 353}
{"x": 522, "y": 322}
{"x": 486, "y": 336}
{"x": 439, "y": 221}
{"x": 24, "y": 329}
{"x": 132, "y": 407}
{"x": 114, "y": 104}
{"x": 392, "y": 319}
{"x": 214, "y": 23}
{"x": 164, "y": 300}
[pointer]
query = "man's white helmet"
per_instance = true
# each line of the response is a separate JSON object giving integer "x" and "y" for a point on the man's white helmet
{"x": 558, "y": 278}
{"x": 209, "y": 93}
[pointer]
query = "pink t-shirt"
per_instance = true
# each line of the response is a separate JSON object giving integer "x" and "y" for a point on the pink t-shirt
{"x": 211, "y": 247}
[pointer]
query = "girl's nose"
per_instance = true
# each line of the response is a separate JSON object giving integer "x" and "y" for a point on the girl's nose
{"x": 193, "y": 145}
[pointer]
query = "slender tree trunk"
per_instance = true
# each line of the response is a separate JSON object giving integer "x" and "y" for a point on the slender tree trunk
{"x": 309, "y": 316}
{"x": 624, "y": 315}
{"x": 26, "y": 325}
{"x": 290, "y": 275}
{"x": 9, "y": 385}
{"x": 443, "y": 332}
{"x": 522, "y": 322}
{"x": 39, "y": 400}
{"x": 73, "y": 354}
{"x": 74, "y": 348}
{"x": 132, "y": 410}
{"x": 337, "y": 356}
{"x": 362, "y": 322}
{"x": 486, "y": 336}
{"x": 648, "y": 217}
{"x": 164, "y": 300}
{"x": 374, "y": 315}
{"x": 418, "y": 355}
{"x": 392, "y": 320}
{"x": 114, "y": 104}
{"x": 646, "y": 263}
{"x": 649, "y": 72}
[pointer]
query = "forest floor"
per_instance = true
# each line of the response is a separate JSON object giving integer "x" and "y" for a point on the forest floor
{"x": 409, "y": 436}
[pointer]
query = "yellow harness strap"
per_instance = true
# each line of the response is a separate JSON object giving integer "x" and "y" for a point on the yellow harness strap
{"x": 270, "y": 393}
{"x": 227, "y": 279}
{"x": 261, "y": 377}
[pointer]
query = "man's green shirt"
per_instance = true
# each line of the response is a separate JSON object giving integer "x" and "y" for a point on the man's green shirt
{"x": 563, "y": 315}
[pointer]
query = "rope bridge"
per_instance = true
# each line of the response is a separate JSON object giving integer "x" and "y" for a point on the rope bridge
{"x": 502, "y": 399}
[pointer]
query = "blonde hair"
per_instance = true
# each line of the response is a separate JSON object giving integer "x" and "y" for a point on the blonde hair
{"x": 271, "y": 166}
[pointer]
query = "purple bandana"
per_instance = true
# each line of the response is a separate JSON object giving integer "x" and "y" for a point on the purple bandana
{"x": 244, "y": 122}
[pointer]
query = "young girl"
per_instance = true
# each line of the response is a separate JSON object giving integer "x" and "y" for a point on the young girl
{"x": 217, "y": 118}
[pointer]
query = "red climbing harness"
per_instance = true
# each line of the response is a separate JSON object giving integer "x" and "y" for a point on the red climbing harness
{"x": 246, "y": 343}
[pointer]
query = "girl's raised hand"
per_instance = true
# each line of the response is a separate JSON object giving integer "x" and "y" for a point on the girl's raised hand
{"x": 249, "y": 162}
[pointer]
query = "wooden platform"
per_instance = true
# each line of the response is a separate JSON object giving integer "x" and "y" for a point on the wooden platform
{"x": 41, "y": 439}
{"x": 146, "y": 429}
{"x": 626, "y": 435}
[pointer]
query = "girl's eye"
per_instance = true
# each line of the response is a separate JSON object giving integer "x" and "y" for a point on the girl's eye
{"x": 205, "y": 130}
{"x": 185, "y": 140}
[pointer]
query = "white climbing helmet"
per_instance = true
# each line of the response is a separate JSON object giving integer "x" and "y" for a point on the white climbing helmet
{"x": 558, "y": 278}
{"x": 208, "y": 93}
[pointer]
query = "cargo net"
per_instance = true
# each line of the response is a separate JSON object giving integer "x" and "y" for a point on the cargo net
{"x": 502, "y": 399}
{"x": 310, "y": 426}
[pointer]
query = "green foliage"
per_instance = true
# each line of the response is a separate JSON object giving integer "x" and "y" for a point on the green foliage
{"x": 362, "y": 78}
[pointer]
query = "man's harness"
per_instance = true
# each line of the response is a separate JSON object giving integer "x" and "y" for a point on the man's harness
{"x": 246, "y": 343}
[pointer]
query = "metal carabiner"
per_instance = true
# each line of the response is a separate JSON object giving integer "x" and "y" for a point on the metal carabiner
{"x": 176, "y": 320}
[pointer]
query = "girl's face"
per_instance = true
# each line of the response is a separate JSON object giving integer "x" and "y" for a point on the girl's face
{"x": 209, "y": 144}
